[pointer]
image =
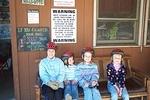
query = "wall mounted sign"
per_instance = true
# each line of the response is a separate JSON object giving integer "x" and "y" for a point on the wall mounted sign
{"x": 64, "y": 3}
{"x": 32, "y": 38}
{"x": 33, "y": 2}
{"x": 33, "y": 17}
{"x": 63, "y": 25}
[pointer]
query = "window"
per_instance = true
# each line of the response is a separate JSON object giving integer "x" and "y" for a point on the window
{"x": 117, "y": 22}
{"x": 147, "y": 24}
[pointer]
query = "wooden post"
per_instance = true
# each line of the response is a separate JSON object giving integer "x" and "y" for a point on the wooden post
{"x": 148, "y": 89}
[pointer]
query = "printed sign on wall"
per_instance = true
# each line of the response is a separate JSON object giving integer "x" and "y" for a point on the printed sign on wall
{"x": 33, "y": 2}
{"x": 63, "y": 25}
{"x": 64, "y": 3}
{"x": 33, "y": 17}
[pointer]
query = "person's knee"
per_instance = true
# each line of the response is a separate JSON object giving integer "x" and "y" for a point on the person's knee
{"x": 74, "y": 89}
{"x": 87, "y": 92}
{"x": 67, "y": 86}
{"x": 125, "y": 97}
{"x": 114, "y": 96}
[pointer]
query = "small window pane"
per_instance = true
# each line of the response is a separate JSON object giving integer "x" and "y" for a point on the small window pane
{"x": 149, "y": 11}
{"x": 148, "y": 29}
{"x": 117, "y": 8}
{"x": 115, "y": 31}
{"x": 148, "y": 34}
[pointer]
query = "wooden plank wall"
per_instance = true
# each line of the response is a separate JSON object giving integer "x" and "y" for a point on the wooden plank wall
{"x": 24, "y": 65}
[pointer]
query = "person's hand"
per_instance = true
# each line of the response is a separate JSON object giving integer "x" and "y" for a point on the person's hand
{"x": 120, "y": 92}
{"x": 117, "y": 89}
{"x": 74, "y": 82}
{"x": 54, "y": 85}
{"x": 94, "y": 83}
{"x": 86, "y": 84}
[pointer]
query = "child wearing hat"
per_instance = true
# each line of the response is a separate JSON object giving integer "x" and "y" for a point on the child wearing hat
{"x": 116, "y": 73}
{"x": 71, "y": 89}
{"x": 51, "y": 72}
{"x": 88, "y": 75}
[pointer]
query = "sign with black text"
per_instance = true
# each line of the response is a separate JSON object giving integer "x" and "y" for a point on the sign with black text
{"x": 63, "y": 25}
{"x": 33, "y": 17}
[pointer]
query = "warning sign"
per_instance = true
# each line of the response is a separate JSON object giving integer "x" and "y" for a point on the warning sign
{"x": 63, "y": 25}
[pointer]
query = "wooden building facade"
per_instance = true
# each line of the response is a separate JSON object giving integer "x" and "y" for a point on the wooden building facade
{"x": 24, "y": 62}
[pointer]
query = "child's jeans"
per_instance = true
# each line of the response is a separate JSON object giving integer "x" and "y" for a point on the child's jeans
{"x": 72, "y": 90}
{"x": 113, "y": 92}
{"x": 91, "y": 94}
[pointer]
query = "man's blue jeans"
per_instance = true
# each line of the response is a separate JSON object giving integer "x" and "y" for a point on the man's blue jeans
{"x": 72, "y": 90}
{"x": 114, "y": 96}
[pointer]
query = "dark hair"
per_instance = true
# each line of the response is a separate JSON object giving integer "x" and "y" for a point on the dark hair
{"x": 88, "y": 49}
{"x": 117, "y": 51}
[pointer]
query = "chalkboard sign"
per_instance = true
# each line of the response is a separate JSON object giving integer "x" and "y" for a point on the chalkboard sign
{"x": 32, "y": 38}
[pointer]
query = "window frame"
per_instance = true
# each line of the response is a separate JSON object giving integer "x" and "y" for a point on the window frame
{"x": 147, "y": 15}
{"x": 139, "y": 15}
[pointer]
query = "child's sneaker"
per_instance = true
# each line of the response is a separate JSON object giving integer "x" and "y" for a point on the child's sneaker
{"x": 68, "y": 97}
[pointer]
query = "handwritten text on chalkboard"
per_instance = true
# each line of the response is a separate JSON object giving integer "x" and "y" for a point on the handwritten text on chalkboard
{"x": 32, "y": 38}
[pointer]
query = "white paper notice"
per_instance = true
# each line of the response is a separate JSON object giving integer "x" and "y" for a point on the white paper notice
{"x": 63, "y": 25}
{"x": 64, "y": 3}
{"x": 33, "y": 2}
{"x": 33, "y": 17}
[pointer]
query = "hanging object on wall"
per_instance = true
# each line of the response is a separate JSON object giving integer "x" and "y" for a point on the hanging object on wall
{"x": 64, "y": 25}
{"x": 64, "y": 3}
{"x": 32, "y": 38}
{"x": 33, "y": 2}
{"x": 4, "y": 12}
{"x": 33, "y": 17}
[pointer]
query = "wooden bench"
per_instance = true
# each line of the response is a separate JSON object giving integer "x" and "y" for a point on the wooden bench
{"x": 136, "y": 82}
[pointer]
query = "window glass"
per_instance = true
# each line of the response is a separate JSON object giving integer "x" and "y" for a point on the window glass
{"x": 117, "y": 8}
{"x": 115, "y": 30}
{"x": 148, "y": 34}
{"x": 148, "y": 29}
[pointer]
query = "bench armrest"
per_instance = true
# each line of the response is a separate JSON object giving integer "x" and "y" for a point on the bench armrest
{"x": 148, "y": 89}
{"x": 37, "y": 92}
{"x": 140, "y": 73}
{"x": 141, "y": 77}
